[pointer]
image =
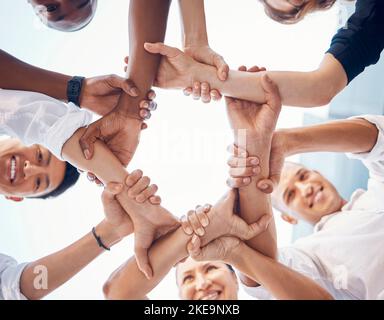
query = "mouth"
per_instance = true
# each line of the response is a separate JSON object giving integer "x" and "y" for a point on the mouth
{"x": 317, "y": 196}
{"x": 212, "y": 295}
{"x": 12, "y": 169}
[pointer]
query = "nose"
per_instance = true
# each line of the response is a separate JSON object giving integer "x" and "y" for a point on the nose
{"x": 31, "y": 169}
{"x": 304, "y": 188}
{"x": 202, "y": 282}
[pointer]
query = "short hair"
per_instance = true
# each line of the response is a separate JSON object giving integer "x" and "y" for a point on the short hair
{"x": 70, "y": 178}
{"x": 298, "y": 13}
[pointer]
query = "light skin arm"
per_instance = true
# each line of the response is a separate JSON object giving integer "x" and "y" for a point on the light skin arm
{"x": 64, "y": 264}
{"x": 127, "y": 282}
{"x": 301, "y": 89}
{"x": 333, "y": 136}
{"x": 149, "y": 221}
{"x": 282, "y": 282}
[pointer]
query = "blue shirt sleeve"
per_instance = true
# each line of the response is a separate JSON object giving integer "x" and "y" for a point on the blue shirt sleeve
{"x": 360, "y": 43}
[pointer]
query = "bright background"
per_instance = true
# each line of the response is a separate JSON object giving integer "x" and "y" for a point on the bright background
{"x": 184, "y": 149}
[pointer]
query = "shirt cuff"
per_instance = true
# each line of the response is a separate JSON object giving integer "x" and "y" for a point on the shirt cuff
{"x": 377, "y": 151}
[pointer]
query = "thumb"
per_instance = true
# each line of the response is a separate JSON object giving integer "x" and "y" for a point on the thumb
{"x": 142, "y": 260}
{"x": 162, "y": 49}
{"x": 266, "y": 185}
{"x": 87, "y": 140}
{"x": 271, "y": 91}
{"x": 246, "y": 232}
{"x": 222, "y": 67}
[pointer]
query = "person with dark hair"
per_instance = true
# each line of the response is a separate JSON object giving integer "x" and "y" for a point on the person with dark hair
{"x": 33, "y": 172}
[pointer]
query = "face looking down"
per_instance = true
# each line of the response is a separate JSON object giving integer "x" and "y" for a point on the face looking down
{"x": 206, "y": 280}
{"x": 65, "y": 15}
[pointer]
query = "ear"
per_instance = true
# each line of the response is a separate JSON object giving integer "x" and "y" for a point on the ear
{"x": 13, "y": 198}
{"x": 288, "y": 218}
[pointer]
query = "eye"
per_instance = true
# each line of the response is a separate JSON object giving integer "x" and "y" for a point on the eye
{"x": 303, "y": 175}
{"x": 39, "y": 156}
{"x": 290, "y": 195}
{"x": 187, "y": 279}
{"x": 51, "y": 7}
{"x": 38, "y": 183}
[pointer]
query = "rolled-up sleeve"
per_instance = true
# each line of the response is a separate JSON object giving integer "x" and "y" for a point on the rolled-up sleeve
{"x": 373, "y": 160}
{"x": 10, "y": 274}
{"x": 360, "y": 43}
{"x": 35, "y": 118}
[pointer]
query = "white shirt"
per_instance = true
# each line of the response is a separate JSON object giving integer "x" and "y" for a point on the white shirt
{"x": 10, "y": 273}
{"x": 35, "y": 118}
{"x": 345, "y": 253}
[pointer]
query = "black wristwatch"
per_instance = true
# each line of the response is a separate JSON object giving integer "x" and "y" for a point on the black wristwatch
{"x": 74, "y": 89}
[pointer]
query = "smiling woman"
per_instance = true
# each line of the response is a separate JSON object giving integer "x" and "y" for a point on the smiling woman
{"x": 65, "y": 15}
{"x": 32, "y": 171}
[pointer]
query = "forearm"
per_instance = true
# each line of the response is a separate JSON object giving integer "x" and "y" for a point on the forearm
{"x": 254, "y": 203}
{"x": 353, "y": 135}
{"x": 113, "y": 172}
{"x": 43, "y": 276}
{"x": 301, "y": 89}
{"x": 147, "y": 23}
{"x": 193, "y": 22}
{"x": 18, "y": 75}
{"x": 128, "y": 282}
{"x": 282, "y": 282}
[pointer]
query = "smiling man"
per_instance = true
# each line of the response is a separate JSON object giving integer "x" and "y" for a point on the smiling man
{"x": 32, "y": 172}
{"x": 343, "y": 254}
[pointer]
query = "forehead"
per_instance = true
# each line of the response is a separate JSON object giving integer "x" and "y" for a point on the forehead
{"x": 281, "y": 5}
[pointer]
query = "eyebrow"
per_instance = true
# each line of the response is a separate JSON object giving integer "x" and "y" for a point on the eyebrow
{"x": 49, "y": 158}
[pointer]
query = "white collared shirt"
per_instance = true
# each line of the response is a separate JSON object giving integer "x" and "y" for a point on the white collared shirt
{"x": 35, "y": 118}
{"x": 10, "y": 273}
{"x": 345, "y": 253}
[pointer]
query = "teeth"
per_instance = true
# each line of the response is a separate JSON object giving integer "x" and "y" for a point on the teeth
{"x": 211, "y": 296}
{"x": 13, "y": 168}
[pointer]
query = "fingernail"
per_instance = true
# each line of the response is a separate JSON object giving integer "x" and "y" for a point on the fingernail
{"x": 204, "y": 222}
{"x": 145, "y": 105}
{"x": 247, "y": 180}
{"x": 254, "y": 161}
{"x": 224, "y": 75}
{"x": 264, "y": 186}
{"x": 196, "y": 86}
{"x": 134, "y": 92}
{"x": 194, "y": 239}
{"x": 147, "y": 116}
{"x": 153, "y": 106}
{"x": 200, "y": 232}
{"x": 87, "y": 154}
{"x": 188, "y": 230}
{"x": 255, "y": 170}
{"x": 186, "y": 92}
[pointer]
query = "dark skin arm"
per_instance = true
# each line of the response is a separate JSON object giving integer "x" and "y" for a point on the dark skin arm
{"x": 99, "y": 94}
{"x": 120, "y": 129}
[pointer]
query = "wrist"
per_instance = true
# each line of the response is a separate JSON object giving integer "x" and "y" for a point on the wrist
{"x": 107, "y": 233}
{"x": 195, "y": 39}
{"x": 235, "y": 256}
